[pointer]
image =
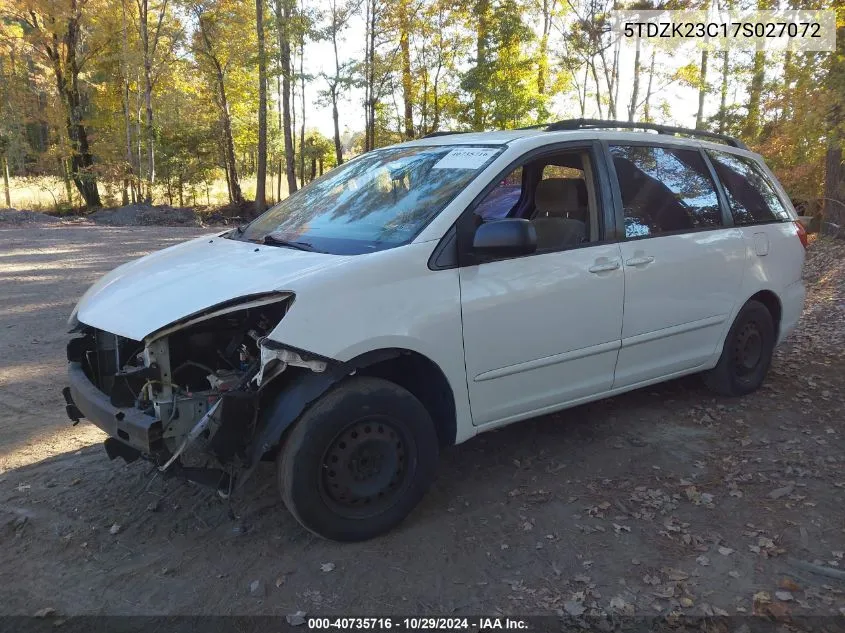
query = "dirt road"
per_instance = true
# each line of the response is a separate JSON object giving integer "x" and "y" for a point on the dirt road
{"x": 663, "y": 500}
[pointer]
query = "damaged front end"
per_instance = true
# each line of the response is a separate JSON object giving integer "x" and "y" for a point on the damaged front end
{"x": 189, "y": 396}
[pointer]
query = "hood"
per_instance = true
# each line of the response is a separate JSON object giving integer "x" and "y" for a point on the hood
{"x": 147, "y": 294}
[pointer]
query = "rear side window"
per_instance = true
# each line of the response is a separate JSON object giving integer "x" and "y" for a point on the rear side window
{"x": 664, "y": 190}
{"x": 751, "y": 197}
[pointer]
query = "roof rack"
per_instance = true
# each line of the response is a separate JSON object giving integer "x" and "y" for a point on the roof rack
{"x": 586, "y": 124}
{"x": 442, "y": 133}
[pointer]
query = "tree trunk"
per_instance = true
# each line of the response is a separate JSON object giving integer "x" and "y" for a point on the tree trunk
{"x": 723, "y": 94}
{"x": 127, "y": 116}
{"x": 635, "y": 90}
{"x": 646, "y": 106}
{"x": 834, "y": 206}
{"x": 543, "y": 57}
{"x": 338, "y": 149}
{"x": 261, "y": 169}
{"x": 6, "y": 182}
{"x": 370, "y": 78}
{"x": 235, "y": 194}
{"x": 482, "y": 15}
{"x": 751, "y": 129}
{"x": 281, "y": 164}
{"x": 67, "y": 83}
{"x": 407, "y": 82}
{"x": 302, "y": 98}
{"x": 834, "y": 200}
{"x": 592, "y": 65}
{"x": 68, "y": 181}
{"x": 149, "y": 51}
{"x": 702, "y": 91}
{"x": 283, "y": 16}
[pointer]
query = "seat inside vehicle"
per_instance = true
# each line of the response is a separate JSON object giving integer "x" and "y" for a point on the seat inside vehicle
{"x": 562, "y": 210}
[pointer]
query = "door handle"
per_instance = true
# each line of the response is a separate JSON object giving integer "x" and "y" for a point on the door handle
{"x": 603, "y": 266}
{"x": 644, "y": 260}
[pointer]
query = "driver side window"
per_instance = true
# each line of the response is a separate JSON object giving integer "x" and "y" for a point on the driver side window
{"x": 556, "y": 193}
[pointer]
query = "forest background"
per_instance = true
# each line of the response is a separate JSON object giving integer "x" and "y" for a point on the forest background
{"x": 239, "y": 102}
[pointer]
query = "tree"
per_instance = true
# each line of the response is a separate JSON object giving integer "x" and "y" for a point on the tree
{"x": 284, "y": 15}
{"x": 343, "y": 77}
{"x": 261, "y": 175}
{"x": 56, "y": 31}
{"x": 834, "y": 197}
{"x": 150, "y": 45}
{"x": 215, "y": 57}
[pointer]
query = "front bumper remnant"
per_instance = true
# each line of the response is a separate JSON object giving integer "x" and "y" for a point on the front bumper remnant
{"x": 130, "y": 426}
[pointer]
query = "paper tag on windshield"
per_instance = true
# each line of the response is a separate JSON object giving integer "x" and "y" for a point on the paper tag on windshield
{"x": 465, "y": 158}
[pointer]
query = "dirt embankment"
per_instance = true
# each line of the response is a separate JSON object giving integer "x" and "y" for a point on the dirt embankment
{"x": 135, "y": 215}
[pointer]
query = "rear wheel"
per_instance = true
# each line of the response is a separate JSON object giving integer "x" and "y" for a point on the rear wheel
{"x": 358, "y": 460}
{"x": 747, "y": 353}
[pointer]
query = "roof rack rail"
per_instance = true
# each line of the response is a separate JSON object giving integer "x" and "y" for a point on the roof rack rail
{"x": 581, "y": 124}
{"x": 442, "y": 133}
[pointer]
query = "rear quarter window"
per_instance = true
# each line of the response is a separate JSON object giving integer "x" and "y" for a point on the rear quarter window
{"x": 751, "y": 197}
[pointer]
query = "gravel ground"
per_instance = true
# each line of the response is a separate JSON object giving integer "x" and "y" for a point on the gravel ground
{"x": 662, "y": 501}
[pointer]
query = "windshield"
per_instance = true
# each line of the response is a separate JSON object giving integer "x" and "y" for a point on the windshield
{"x": 379, "y": 200}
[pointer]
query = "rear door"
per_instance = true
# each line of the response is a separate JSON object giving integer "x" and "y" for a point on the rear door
{"x": 683, "y": 260}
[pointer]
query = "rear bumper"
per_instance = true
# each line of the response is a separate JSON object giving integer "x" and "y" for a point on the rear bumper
{"x": 792, "y": 305}
{"x": 130, "y": 426}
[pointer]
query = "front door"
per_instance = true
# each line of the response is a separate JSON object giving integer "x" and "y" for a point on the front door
{"x": 543, "y": 330}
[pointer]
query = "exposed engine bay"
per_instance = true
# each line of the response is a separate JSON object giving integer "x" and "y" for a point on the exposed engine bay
{"x": 200, "y": 381}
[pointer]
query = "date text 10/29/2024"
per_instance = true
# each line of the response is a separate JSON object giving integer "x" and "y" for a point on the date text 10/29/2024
{"x": 419, "y": 624}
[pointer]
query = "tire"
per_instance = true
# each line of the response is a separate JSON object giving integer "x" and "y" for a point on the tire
{"x": 358, "y": 460}
{"x": 746, "y": 354}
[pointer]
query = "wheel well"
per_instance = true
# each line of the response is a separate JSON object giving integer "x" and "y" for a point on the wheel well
{"x": 772, "y": 303}
{"x": 423, "y": 378}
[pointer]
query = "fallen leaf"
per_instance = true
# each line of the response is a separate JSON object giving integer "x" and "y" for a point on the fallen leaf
{"x": 574, "y": 608}
{"x": 762, "y": 597}
{"x": 46, "y": 612}
{"x": 296, "y": 619}
{"x": 789, "y": 585}
{"x": 703, "y": 560}
{"x": 618, "y": 604}
{"x": 675, "y": 574}
{"x": 686, "y": 602}
{"x": 784, "y": 596}
{"x": 114, "y": 529}
{"x": 781, "y": 492}
{"x": 256, "y": 588}
{"x": 725, "y": 551}
{"x": 327, "y": 566}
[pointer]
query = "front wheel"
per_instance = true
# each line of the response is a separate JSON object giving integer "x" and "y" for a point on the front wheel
{"x": 358, "y": 460}
{"x": 747, "y": 353}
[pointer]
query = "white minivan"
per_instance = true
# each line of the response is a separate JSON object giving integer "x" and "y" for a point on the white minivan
{"x": 426, "y": 292}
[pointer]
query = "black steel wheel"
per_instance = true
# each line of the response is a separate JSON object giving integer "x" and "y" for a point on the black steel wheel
{"x": 365, "y": 469}
{"x": 358, "y": 460}
{"x": 746, "y": 354}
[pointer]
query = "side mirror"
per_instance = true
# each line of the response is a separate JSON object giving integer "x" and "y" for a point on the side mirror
{"x": 509, "y": 237}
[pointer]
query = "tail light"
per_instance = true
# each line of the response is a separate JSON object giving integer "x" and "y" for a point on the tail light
{"x": 802, "y": 233}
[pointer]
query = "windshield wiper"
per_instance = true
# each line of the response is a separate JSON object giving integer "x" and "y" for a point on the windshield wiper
{"x": 270, "y": 240}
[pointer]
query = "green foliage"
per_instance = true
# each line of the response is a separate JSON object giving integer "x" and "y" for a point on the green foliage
{"x": 506, "y": 79}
